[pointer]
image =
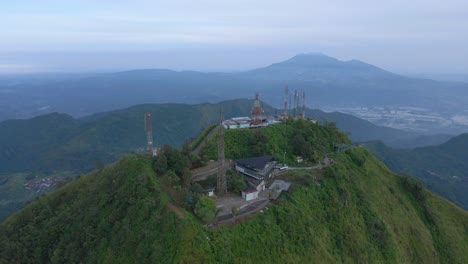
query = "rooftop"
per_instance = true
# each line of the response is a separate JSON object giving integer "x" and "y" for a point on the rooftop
{"x": 277, "y": 187}
{"x": 258, "y": 163}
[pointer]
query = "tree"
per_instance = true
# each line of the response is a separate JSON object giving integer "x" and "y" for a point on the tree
{"x": 258, "y": 142}
{"x": 301, "y": 146}
{"x": 186, "y": 177}
{"x": 234, "y": 211}
{"x": 172, "y": 178}
{"x": 196, "y": 161}
{"x": 235, "y": 182}
{"x": 160, "y": 164}
{"x": 206, "y": 209}
{"x": 176, "y": 161}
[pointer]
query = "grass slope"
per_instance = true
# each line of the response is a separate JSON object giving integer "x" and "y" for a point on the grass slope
{"x": 59, "y": 145}
{"x": 359, "y": 213}
{"x": 442, "y": 168}
{"x": 284, "y": 141}
{"x": 117, "y": 215}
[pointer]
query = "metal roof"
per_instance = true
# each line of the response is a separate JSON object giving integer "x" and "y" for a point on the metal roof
{"x": 258, "y": 163}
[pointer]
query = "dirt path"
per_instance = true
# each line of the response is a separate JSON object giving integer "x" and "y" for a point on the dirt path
{"x": 208, "y": 137}
{"x": 201, "y": 174}
{"x": 176, "y": 210}
{"x": 250, "y": 209}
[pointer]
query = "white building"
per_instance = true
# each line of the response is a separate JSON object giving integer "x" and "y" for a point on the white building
{"x": 250, "y": 194}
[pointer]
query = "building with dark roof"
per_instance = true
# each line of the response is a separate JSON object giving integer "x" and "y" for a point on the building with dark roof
{"x": 258, "y": 168}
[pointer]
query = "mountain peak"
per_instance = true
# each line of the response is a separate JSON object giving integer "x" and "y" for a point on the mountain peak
{"x": 311, "y": 59}
{"x": 319, "y": 67}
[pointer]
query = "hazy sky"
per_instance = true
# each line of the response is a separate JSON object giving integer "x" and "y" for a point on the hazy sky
{"x": 88, "y": 35}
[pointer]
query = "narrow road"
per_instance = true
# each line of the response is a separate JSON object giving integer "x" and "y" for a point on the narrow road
{"x": 204, "y": 174}
{"x": 250, "y": 209}
{"x": 308, "y": 168}
{"x": 327, "y": 162}
{"x": 208, "y": 137}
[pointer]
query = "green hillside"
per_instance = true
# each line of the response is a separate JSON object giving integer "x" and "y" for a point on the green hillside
{"x": 443, "y": 168}
{"x": 57, "y": 145}
{"x": 58, "y": 142}
{"x": 284, "y": 141}
{"x": 357, "y": 212}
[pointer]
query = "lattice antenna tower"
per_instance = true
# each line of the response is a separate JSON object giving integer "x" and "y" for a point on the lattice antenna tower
{"x": 296, "y": 99}
{"x": 257, "y": 112}
{"x": 221, "y": 179}
{"x": 149, "y": 133}
{"x": 303, "y": 105}
{"x": 286, "y": 95}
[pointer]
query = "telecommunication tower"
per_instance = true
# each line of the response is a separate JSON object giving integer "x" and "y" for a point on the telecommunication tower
{"x": 296, "y": 102}
{"x": 257, "y": 112}
{"x": 286, "y": 95}
{"x": 303, "y": 105}
{"x": 149, "y": 133}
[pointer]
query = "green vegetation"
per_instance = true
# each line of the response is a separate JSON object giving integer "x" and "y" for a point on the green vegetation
{"x": 14, "y": 195}
{"x": 359, "y": 213}
{"x": 60, "y": 145}
{"x": 206, "y": 209}
{"x": 355, "y": 211}
{"x": 113, "y": 216}
{"x": 56, "y": 142}
{"x": 198, "y": 140}
{"x": 284, "y": 141}
{"x": 235, "y": 184}
{"x": 443, "y": 169}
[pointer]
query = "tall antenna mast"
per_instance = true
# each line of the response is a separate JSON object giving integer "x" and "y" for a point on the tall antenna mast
{"x": 149, "y": 133}
{"x": 303, "y": 105}
{"x": 296, "y": 99}
{"x": 257, "y": 112}
{"x": 286, "y": 95}
{"x": 221, "y": 179}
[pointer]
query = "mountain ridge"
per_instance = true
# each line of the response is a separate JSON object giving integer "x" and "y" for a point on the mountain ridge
{"x": 35, "y": 149}
{"x": 442, "y": 167}
{"x": 355, "y": 210}
{"x": 351, "y": 84}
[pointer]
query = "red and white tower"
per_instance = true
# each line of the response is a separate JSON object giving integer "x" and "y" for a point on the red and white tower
{"x": 257, "y": 112}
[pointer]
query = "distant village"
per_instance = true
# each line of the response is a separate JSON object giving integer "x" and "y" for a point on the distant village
{"x": 45, "y": 184}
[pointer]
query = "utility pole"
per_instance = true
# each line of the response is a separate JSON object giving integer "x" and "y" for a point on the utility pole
{"x": 296, "y": 102}
{"x": 286, "y": 95}
{"x": 303, "y": 105}
{"x": 149, "y": 133}
{"x": 221, "y": 179}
